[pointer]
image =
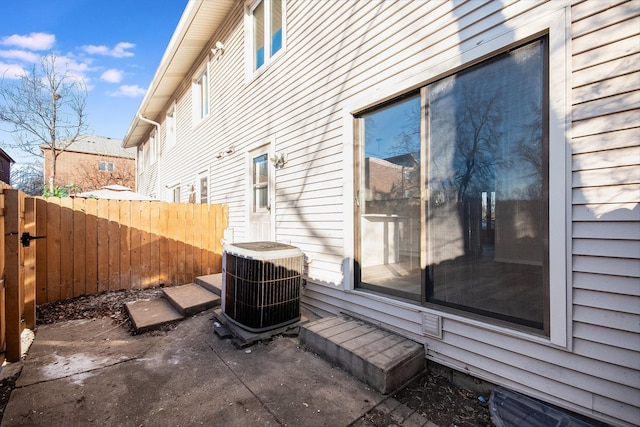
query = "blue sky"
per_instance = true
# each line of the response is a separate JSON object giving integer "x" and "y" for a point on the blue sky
{"x": 114, "y": 45}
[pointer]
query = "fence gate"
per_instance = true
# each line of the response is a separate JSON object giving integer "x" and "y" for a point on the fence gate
{"x": 19, "y": 271}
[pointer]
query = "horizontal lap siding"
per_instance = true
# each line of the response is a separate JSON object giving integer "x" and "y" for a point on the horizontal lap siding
{"x": 606, "y": 197}
{"x": 601, "y": 375}
{"x": 335, "y": 54}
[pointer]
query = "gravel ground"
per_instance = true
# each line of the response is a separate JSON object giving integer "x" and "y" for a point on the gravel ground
{"x": 431, "y": 394}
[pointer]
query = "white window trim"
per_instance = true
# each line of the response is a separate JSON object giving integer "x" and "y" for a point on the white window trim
{"x": 106, "y": 166}
{"x": 203, "y": 174}
{"x": 250, "y": 72}
{"x": 170, "y": 189}
{"x": 523, "y": 29}
{"x": 197, "y": 94}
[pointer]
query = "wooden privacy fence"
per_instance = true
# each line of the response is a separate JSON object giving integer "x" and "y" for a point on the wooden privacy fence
{"x": 93, "y": 246}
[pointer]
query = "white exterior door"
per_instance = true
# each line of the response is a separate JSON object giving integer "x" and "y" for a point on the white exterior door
{"x": 260, "y": 196}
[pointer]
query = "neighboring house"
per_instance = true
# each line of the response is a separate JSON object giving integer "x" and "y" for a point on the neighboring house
{"x": 514, "y": 253}
{"x": 5, "y": 166}
{"x": 91, "y": 162}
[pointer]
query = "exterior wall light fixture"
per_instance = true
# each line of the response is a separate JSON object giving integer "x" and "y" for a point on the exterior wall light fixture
{"x": 279, "y": 160}
{"x": 219, "y": 48}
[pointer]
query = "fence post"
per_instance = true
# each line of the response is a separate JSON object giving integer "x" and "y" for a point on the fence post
{"x": 3, "y": 322}
{"x": 13, "y": 287}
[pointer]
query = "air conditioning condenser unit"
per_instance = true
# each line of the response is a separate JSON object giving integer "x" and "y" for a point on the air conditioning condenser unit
{"x": 261, "y": 284}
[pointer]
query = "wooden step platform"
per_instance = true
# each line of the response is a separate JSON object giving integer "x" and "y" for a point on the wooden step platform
{"x": 380, "y": 358}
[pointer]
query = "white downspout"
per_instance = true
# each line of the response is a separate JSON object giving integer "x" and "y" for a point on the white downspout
{"x": 157, "y": 125}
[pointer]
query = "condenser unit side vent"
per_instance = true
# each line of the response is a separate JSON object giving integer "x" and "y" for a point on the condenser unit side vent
{"x": 262, "y": 283}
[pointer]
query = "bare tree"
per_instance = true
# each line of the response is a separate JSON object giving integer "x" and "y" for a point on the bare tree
{"x": 45, "y": 106}
{"x": 28, "y": 177}
{"x": 87, "y": 176}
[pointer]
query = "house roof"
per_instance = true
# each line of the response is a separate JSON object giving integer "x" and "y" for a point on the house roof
{"x": 93, "y": 144}
{"x": 199, "y": 22}
{"x": 6, "y": 156}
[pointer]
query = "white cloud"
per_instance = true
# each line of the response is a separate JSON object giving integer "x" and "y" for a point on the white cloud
{"x": 118, "y": 51}
{"x": 32, "y": 41}
{"x": 96, "y": 50}
{"x": 73, "y": 68}
{"x": 20, "y": 55}
{"x": 11, "y": 71}
{"x": 112, "y": 76}
{"x": 130, "y": 91}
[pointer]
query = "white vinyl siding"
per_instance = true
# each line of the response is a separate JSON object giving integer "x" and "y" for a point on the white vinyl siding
{"x": 338, "y": 54}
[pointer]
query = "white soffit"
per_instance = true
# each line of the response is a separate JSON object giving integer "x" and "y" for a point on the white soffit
{"x": 199, "y": 21}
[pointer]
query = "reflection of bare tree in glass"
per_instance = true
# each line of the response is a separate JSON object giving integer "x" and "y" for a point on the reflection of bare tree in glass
{"x": 370, "y": 136}
{"x": 406, "y": 181}
{"x": 477, "y": 140}
{"x": 406, "y": 147}
{"x": 408, "y": 141}
{"x": 529, "y": 152}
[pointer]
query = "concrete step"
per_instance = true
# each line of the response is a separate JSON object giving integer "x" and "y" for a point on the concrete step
{"x": 190, "y": 299}
{"x": 147, "y": 315}
{"x": 377, "y": 357}
{"x": 177, "y": 303}
{"x": 211, "y": 282}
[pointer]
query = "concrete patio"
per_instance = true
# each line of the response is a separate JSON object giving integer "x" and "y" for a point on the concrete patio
{"x": 93, "y": 372}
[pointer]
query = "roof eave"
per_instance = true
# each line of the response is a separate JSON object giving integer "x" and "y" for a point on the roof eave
{"x": 199, "y": 22}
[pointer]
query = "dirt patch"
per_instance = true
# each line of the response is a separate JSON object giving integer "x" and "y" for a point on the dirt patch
{"x": 107, "y": 304}
{"x": 445, "y": 404}
{"x": 6, "y": 386}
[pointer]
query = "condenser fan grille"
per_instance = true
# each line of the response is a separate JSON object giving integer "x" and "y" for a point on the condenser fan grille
{"x": 262, "y": 285}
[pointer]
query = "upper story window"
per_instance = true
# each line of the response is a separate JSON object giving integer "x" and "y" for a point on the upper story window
{"x": 201, "y": 96}
{"x": 170, "y": 127}
{"x": 267, "y": 29}
{"x": 146, "y": 154}
{"x": 153, "y": 147}
{"x": 140, "y": 158}
{"x": 105, "y": 166}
